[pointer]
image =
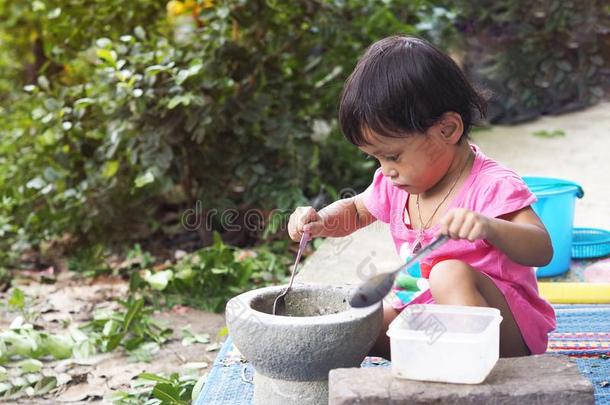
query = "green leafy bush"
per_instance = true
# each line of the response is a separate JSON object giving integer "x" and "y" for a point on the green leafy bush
{"x": 210, "y": 276}
{"x": 133, "y": 329}
{"x": 230, "y": 104}
{"x": 155, "y": 389}
{"x": 127, "y": 113}
{"x": 538, "y": 57}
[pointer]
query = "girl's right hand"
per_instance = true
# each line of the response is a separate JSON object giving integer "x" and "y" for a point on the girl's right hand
{"x": 305, "y": 219}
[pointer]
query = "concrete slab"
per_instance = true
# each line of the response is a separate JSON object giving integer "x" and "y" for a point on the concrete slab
{"x": 351, "y": 259}
{"x": 542, "y": 379}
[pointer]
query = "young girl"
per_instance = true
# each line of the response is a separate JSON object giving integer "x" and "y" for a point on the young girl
{"x": 408, "y": 105}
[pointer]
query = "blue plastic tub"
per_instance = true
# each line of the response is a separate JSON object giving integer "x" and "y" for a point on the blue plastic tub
{"x": 555, "y": 207}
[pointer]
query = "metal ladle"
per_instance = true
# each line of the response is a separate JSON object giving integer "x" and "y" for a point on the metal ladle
{"x": 279, "y": 300}
{"x": 375, "y": 288}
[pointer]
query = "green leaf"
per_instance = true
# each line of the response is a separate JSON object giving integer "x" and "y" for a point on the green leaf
{"x": 134, "y": 311}
{"x": 167, "y": 392}
{"x": 60, "y": 347}
{"x": 107, "y": 55}
{"x": 17, "y": 299}
{"x": 145, "y": 352}
{"x": 45, "y": 385}
{"x": 114, "y": 341}
{"x": 144, "y": 179}
{"x": 140, "y": 33}
{"x": 38, "y": 5}
{"x": 549, "y": 134}
{"x": 19, "y": 344}
{"x": 43, "y": 82}
{"x": 334, "y": 73}
{"x": 111, "y": 327}
{"x": 154, "y": 377}
{"x": 189, "y": 337}
{"x": 198, "y": 386}
{"x": 83, "y": 350}
{"x": 82, "y": 103}
{"x": 219, "y": 270}
{"x": 30, "y": 365}
{"x": 184, "y": 99}
{"x": 53, "y": 14}
{"x": 110, "y": 168}
{"x": 133, "y": 343}
{"x": 223, "y": 332}
{"x": 159, "y": 280}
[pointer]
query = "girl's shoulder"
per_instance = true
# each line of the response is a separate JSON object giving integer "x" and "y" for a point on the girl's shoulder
{"x": 380, "y": 197}
{"x": 492, "y": 171}
{"x": 496, "y": 189}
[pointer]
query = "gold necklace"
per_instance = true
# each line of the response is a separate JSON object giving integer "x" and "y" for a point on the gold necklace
{"x": 417, "y": 243}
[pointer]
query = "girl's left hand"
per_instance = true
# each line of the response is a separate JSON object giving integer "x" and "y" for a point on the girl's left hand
{"x": 460, "y": 223}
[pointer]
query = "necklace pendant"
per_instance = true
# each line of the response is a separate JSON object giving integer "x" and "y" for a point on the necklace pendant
{"x": 416, "y": 246}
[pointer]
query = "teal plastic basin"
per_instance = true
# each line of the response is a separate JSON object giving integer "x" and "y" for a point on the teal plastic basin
{"x": 555, "y": 207}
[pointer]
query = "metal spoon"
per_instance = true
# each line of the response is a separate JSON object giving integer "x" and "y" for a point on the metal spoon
{"x": 279, "y": 300}
{"x": 377, "y": 287}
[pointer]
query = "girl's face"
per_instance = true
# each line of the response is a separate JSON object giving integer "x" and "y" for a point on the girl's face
{"x": 414, "y": 163}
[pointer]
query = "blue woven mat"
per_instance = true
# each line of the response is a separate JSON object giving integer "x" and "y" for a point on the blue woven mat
{"x": 230, "y": 379}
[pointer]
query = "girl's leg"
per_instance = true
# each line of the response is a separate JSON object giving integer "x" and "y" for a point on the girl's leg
{"x": 381, "y": 348}
{"x": 453, "y": 282}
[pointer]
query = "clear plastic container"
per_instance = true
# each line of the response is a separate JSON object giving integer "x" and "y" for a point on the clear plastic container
{"x": 445, "y": 343}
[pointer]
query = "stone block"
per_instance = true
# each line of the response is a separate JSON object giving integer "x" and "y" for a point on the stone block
{"x": 541, "y": 379}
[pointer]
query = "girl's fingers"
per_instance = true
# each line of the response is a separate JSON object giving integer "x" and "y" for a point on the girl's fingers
{"x": 463, "y": 224}
{"x": 308, "y": 215}
{"x": 301, "y": 220}
{"x": 314, "y": 228}
{"x": 475, "y": 232}
{"x": 295, "y": 224}
{"x": 466, "y": 228}
{"x": 445, "y": 223}
{"x": 455, "y": 226}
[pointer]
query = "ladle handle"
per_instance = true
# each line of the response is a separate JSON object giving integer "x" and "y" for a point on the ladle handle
{"x": 424, "y": 251}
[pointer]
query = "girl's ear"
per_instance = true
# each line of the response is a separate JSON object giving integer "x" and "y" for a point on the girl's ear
{"x": 451, "y": 127}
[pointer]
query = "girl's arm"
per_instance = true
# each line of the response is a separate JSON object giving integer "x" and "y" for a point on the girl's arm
{"x": 520, "y": 234}
{"x": 340, "y": 218}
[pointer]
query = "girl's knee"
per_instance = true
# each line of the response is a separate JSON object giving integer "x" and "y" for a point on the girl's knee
{"x": 449, "y": 275}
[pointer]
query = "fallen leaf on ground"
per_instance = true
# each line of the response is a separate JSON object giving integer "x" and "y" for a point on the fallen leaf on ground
{"x": 79, "y": 392}
{"x": 213, "y": 347}
{"x": 195, "y": 365}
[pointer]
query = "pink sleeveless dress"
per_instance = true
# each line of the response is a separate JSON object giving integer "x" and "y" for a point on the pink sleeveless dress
{"x": 491, "y": 190}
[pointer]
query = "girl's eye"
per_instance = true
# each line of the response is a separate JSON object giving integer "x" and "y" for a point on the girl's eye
{"x": 392, "y": 158}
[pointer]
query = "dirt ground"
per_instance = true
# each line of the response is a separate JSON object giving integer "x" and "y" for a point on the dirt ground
{"x": 71, "y": 301}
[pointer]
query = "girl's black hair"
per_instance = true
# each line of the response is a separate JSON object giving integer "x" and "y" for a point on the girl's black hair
{"x": 403, "y": 85}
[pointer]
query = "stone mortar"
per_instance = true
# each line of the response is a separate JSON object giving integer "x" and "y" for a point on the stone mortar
{"x": 294, "y": 352}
